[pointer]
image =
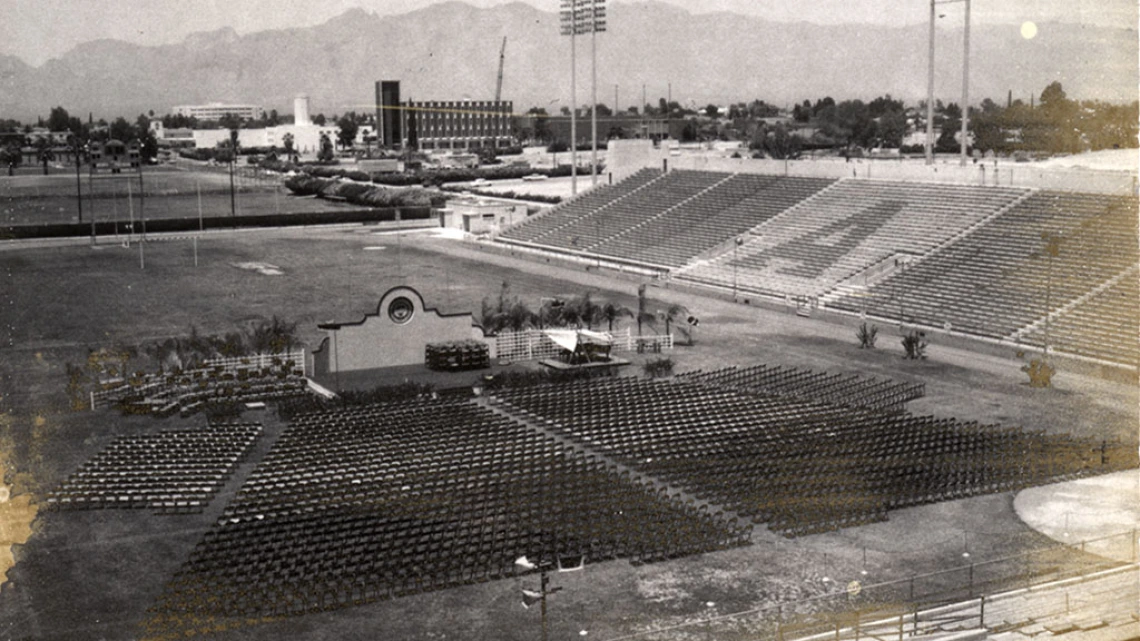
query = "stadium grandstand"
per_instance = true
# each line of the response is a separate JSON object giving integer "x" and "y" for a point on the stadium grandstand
{"x": 1021, "y": 265}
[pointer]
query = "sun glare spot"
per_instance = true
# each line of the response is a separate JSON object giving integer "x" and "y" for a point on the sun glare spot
{"x": 1028, "y": 30}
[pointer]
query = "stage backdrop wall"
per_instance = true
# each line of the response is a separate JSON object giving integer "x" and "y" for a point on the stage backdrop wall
{"x": 394, "y": 336}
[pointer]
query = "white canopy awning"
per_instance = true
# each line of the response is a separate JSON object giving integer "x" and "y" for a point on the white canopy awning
{"x": 571, "y": 338}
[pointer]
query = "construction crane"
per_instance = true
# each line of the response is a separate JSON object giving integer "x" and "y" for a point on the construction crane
{"x": 502, "y": 58}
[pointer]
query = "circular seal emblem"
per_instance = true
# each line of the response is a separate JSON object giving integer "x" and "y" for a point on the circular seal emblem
{"x": 400, "y": 310}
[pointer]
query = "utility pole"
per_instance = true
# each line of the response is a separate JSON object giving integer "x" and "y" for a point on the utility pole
{"x": 233, "y": 161}
{"x": 644, "y": 105}
{"x": 78, "y": 180}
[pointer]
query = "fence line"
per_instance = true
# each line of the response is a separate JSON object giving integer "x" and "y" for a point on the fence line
{"x": 256, "y": 360}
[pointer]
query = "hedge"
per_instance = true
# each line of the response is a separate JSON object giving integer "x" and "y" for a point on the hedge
{"x": 509, "y": 194}
{"x": 363, "y": 194}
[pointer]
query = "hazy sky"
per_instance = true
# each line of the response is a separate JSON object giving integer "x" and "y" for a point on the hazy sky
{"x": 36, "y": 30}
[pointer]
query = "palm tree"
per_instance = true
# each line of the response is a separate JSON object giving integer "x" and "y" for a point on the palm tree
{"x": 589, "y": 313}
{"x": 287, "y": 144}
{"x": 517, "y": 317}
{"x": 673, "y": 314}
{"x": 612, "y": 312}
{"x": 643, "y": 315}
{"x": 550, "y": 314}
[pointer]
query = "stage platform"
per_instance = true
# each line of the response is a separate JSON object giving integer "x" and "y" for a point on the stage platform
{"x": 613, "y": 363}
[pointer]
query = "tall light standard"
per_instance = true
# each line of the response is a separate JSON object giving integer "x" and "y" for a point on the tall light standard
{"x": 569, "y": 14}
{"x": 965, "y": 83}
{"x": 930, "y": 92}
{"x": 582, "y": 17}
{"x": 597, "y": 23}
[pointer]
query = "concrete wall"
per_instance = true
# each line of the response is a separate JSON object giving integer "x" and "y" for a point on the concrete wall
{"x": 379, "y": 341}
{"x": 625, "y": 161}
{"x": 626, "y": 157}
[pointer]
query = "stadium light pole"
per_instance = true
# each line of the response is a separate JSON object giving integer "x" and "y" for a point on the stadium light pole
{"x": 597, "y": 23}
{"x": 965, "y": 82}
{"x": 930, "y": 91}
{"x": 570, "y": 27}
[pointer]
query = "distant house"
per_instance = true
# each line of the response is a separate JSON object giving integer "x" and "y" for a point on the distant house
{"x": 114, "y": 155}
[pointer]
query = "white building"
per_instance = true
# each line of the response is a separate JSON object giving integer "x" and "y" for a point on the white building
{"x": 217, "y": 110}
{"x": 306, "y": 138}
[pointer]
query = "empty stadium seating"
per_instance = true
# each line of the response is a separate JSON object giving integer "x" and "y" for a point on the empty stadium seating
{"x": 837, "y": 389}
{"x": 1104, "y": 326}
{"x": 534, "y": 229}
{"x": 846, "y": 229}
{"x": 175, "y": 471}
{"x": 386, "y": 500}
{"x": 732, "y": 207}
{"x": 965, "y": 257}
{"x": 665, "y": 220}
{"x": 998, "y": 278}
{"x": 802, "y": 467}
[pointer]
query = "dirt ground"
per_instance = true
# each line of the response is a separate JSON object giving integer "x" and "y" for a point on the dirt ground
{"x": 91, "y": 575}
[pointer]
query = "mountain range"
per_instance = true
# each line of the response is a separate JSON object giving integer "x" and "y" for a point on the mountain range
{"x": 450, "y": 51}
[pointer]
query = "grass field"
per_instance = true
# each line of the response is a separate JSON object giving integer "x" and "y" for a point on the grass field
{"x": 170, "y": 192}
{"x": 91, "y": 575}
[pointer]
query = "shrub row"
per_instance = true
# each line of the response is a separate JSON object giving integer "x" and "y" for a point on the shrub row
{"x": 513, "y": 195}
{"x": 428, "y": 178}
{"x": 359, "y": 193}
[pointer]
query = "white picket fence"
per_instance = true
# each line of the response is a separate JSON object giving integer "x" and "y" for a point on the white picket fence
{"x": 258, "y": 361}
{"x": 533, "y": 345}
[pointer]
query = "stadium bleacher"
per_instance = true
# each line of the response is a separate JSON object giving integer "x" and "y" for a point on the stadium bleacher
{"x": 536, "y": 228}
{"x": 965, "y": 257}
{"x": 665, "y": 220}
{"x": 846, "y": 229}
{"x": 680, "y": 234}
{"x": 1103, "y": 326}
{"x": 998, "y": 278}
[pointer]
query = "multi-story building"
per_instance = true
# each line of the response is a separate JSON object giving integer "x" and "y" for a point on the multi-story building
{"x": 217, "y": 110}
{"x": 466, "y": 124}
